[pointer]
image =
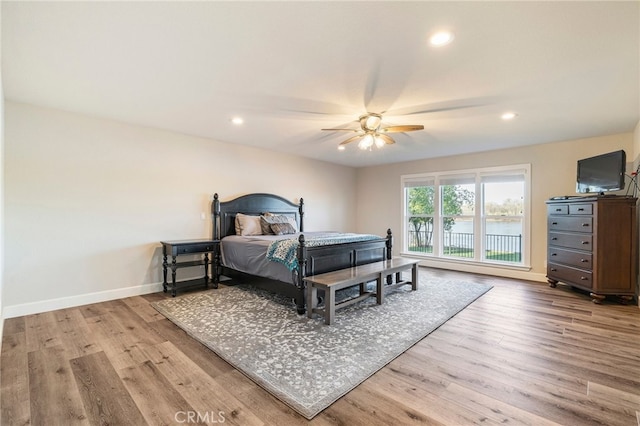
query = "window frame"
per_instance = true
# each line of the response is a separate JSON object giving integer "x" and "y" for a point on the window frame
{"x": 479, "y": 218}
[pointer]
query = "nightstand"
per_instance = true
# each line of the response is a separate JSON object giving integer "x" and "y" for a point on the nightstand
{"x": 187, "y": 247}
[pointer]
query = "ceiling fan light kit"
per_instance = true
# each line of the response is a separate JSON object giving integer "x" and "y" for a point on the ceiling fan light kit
{"x": 370, "y": 139}
{"x": 366, "y": 142}
{"x": 370, "y": 121}
{"x": 371, "y": 133}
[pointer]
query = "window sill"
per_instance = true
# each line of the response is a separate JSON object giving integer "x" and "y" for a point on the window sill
{"x": 486, "y": 268}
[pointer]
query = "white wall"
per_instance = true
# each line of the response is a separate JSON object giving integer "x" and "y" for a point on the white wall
{"x": 2, "y": 230}
{"x": 2, "y": 227}
{"x": 88, "y": 200}
{"x": 553, "y": 173}
{"x": 636, "y": 164}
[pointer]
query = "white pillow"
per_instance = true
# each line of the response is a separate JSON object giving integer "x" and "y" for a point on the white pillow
{"x": 247, "y": 225}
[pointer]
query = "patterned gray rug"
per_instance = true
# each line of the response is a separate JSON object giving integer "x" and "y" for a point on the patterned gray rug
{"x": 301, "y": 361}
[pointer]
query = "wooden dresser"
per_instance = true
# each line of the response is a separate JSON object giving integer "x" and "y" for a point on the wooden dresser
{"x": 592, "y": 245}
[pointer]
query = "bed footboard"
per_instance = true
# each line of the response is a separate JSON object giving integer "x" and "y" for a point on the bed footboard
{"x": 321, "y": 259}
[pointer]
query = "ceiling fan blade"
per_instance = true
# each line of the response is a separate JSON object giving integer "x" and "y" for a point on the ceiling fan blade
{"x": 443, "y": 109}
{"x": 442, "y": 106}
{"x": 387, "y": 139}
{"x": 371, "y": 84}
{"x": 351, "y": 139}
{"x": 302, "y": 105}
{"x": 342, "y": 130}
{"x": 402, "y": 129}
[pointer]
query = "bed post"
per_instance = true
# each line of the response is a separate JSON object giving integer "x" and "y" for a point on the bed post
{"x": 301, "y": 211}
{"x": 215, "y": 209}
{"x": 389, "y": 244}
{"x": 302, "y": 269}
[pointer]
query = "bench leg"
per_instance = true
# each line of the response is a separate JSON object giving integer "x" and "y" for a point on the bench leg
{"x": 312, "y": 299}
{"x": 414, "y": 277}
{"x": 329, "y": 305}
{"x": 380, "y": 289}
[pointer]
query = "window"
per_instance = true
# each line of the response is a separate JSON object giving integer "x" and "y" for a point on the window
{"x": 503, "y": 216}
{"x": 420, "y": 207}
{"x": 478, "y": 215}
{"x": 457, "y": 201}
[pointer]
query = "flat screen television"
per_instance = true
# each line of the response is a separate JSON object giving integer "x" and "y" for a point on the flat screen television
{"x": 602, "y": 173}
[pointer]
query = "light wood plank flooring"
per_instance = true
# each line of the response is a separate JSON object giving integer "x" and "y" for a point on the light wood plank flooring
{"x": 522, "y": 354}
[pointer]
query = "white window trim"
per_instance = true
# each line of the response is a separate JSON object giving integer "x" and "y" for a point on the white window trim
{"x": 436, "y": 177}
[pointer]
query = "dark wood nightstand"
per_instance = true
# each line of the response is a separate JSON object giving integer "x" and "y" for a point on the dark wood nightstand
{"x": 183, "y": 247}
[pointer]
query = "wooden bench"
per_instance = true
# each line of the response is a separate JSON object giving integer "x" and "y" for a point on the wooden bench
{"x": 381, "y": 272}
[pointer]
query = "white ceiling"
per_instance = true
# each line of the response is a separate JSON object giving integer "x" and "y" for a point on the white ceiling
{"x": 569, "y": 69}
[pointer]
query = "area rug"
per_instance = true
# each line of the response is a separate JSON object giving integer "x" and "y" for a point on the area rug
{"x": 303, "y": 362}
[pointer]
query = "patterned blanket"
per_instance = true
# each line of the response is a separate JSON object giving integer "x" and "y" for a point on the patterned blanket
{"x": 285, "y": 251}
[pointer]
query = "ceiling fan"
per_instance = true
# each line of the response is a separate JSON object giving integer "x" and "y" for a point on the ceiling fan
{"x": 372, "y": 133}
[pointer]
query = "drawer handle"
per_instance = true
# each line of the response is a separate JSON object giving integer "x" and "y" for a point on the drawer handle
{"x": 585, "y": 242}
{"x": 554, "y": 239}
{"x": 584, "y": 261}
{"x": 553, "y": 269}
{"x": 586, "y": 224}
{"x": 584, "y": 278}
{"x": 580, "y": 209}
{"x": 554, "y": 223}
{"x": 558, "y": 210}
{"x": 554, "y": 254}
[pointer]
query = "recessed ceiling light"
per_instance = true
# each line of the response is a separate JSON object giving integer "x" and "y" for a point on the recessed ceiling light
{"x": 237, "y": 120}
{"x": 441, "y": 38}
{"x": 508, "y": 115}
{"x": 341, "y": 148}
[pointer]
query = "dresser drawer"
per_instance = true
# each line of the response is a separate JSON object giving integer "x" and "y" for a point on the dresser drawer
{"x": 582, "y": 260}
{"x": 575, "y": 241}
{"x": 570, "y": 275}
{"x": 580, "y": 208}
{"x": 557, "y": 209}
{"x": 570, "y": 223}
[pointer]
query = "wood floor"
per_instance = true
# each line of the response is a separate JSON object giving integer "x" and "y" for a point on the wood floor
{"x": 522, "y": 354}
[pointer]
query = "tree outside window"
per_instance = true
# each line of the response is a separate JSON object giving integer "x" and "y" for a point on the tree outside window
{"x": 421, "y": 208}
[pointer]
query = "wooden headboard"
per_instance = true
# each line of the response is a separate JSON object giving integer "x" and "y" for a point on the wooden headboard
{"x": 224, "y": 213}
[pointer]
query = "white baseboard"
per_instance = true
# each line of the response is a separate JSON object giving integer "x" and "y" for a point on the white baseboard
{"x": 520, "y": 273}
{"x": 79, "y": 300}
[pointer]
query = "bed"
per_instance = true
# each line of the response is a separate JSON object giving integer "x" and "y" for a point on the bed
{"x": 306, "y": 253}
